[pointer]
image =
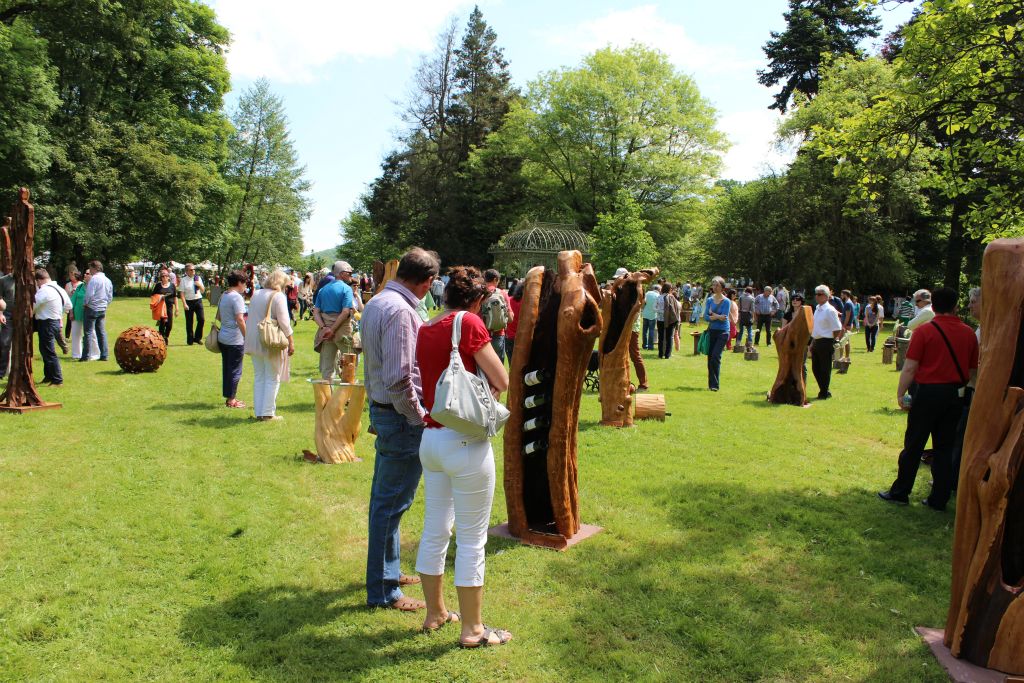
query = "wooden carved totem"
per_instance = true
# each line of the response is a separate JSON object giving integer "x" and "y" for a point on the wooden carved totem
{"x": 619, "y": 309}
{"x": 558, "y": 323}
{"x": 21, "y": 389}
{"x": 985, "y": 624}
{"x": 791, "y": 344}
{"x": 338, "y": 415}
{"x": 6, "y": 254}
{"x": 382, "y": 272}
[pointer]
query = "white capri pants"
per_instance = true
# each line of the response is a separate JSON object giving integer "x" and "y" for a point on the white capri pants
{"x": 264, "y": 386}
{"x": 458, "y": 485}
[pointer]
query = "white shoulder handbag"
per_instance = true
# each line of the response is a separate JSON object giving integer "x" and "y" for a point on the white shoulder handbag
{"x": 463, "y": 401}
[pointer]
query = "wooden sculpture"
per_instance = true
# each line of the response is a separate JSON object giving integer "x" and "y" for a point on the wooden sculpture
{"x": 791, "y": 345}
{"x": 558, "y": 323}
{"x": 382, "y": 272}
{"x": 20, "y": 394}
{"x": 338, "y": 414}
{"x": 985, "y": 624}
{"x": 140, "y": 349}
{"x": 620, "y": 306}
{"x": 6, "y": 253}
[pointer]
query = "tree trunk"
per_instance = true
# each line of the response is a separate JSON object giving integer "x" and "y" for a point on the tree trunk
{"x": 955, "y": 245}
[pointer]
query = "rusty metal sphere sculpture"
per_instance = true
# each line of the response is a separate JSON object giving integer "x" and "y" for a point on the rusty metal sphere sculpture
{"x": 140, "y": 349}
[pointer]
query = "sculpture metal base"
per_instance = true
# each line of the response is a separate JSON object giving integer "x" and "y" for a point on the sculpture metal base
{"x": 18, "y": 410}
{"x": 960, "y": 670}
{"x": 585, "y": 532}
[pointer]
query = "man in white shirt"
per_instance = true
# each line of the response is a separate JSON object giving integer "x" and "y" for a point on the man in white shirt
{"x": 51, "y": 304}
{"x": 923, "y": 302}
{"x": 191, "y": 293}
{"x": 99, "y": 292}
{"x": 827, "y": 328}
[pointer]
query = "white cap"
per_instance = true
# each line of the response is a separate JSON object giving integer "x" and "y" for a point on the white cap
{"x": 621, "y": 272}
{"x": 341, "y": 267}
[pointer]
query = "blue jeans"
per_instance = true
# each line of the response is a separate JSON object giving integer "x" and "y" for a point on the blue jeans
{"x": 650, "y": 333}
{"x": 396, "y": 474}
{"x": 498, "y": 344}
{"x": 718, "y": 341}
{"x": 48, "y": 332}
{"x": 95, "y": 322}
{"x": 750, "y": 333}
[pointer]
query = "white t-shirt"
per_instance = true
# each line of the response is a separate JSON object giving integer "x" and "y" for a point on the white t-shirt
{"x": 51, "y": 302}
{"x": 188, "y": 288}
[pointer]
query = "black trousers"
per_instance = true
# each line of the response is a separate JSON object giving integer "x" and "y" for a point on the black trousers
{"x": 194, "y": 312}
{"x": 661, "y": 339}
{"x": 668, "y": 335}
{"x": 870, "y": 335}
{"x": 6, "y": 334}
{"x": 821, "y": 363}
{"x": 165, "y": 325}
{"x": 763, "y": 320}
{"x": 935, "y": 412}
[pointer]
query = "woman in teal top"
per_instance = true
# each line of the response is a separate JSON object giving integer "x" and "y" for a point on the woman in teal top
{"x": 716, "y": 312}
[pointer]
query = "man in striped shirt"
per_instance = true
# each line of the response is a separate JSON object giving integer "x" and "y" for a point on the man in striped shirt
{"x": 389, "y": 325}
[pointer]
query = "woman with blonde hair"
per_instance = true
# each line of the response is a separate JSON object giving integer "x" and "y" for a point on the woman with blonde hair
{"x": 270, "y": 366}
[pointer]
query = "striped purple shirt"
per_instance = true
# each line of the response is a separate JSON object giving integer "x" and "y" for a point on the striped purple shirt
{"x": 388, "y": 331}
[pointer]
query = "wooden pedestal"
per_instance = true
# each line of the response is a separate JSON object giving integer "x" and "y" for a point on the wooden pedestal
{"x": 20, "y": 410}
{"x": 649, "y": 407}
{"x": 696, "y": 342}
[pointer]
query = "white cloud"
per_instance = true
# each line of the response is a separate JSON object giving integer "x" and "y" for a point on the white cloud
{"x": 644, "y": 25}
{"x": 292, "y": 41}
{"x": 753, "y": 152}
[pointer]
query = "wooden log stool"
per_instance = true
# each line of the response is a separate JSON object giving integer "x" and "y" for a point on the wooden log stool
{"x": 696, "y": 342}
{"x": 649, "y": 407}
{"x": 338, "y": 411}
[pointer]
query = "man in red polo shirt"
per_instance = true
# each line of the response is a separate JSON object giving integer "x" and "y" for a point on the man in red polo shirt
{"x": 942, "y": 357}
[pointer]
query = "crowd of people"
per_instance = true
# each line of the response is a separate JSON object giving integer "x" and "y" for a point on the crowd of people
{"x": 405, "y": 335}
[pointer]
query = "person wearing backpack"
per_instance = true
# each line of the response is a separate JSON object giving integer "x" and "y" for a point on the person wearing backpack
{"x": 496, "y": 311}
{"x": 941, "y": 361}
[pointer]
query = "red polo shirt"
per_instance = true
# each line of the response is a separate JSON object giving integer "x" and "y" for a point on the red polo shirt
{"x": 928, "y": 349}
{"x": 434, "y": 350}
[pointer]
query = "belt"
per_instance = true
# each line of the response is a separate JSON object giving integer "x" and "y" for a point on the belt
{"x": 382, "y": 406}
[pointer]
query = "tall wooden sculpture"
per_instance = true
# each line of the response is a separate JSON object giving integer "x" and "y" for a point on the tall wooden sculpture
{"x": 620, "y": 306}
{"x": 985, "y": 624}
{"x": 791, "y": 344}
{"x": 20, "y": 394}
{"x": 559, "y": 321}
{"x": 382, "y": 272}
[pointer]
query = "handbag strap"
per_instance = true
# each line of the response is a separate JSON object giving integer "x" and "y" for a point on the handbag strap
{"x": 268, "y": 313}
{"x": 457, "y": 333}
{"x": 956, "y": 361}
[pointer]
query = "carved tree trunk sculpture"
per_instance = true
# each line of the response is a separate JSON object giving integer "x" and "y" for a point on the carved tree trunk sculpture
{"x": 619, "y": 309}
{"x": 791, "y": 344}
{"x": 21, "y": 389}
{"x": 558, "y": 323}
{"x": 337, "y": 422}
{"x": 382, "y": 272}
{"x": 985, "y": 624}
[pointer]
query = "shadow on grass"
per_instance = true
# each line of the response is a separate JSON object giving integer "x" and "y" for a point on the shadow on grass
{"x": 753, "y": 586}
{"x": 295, "y": 633}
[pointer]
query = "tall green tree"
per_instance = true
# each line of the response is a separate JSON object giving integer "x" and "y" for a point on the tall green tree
{"x": 816, "y": 31}
{"x": 623, "y": 120}
{"x": 269, "y": 189}
{"x": 138, "y": 134}
{"x": 362, "y": 243}
{"x": 955, "y": 101}
{"x": 620, "y": 239}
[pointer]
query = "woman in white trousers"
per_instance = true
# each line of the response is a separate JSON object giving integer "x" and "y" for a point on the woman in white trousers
{"x": 458, "y": 470}
{"x": 270, "y": 367}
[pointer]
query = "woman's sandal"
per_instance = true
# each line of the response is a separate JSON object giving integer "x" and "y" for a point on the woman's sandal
{"x": 405, "y": 580}
{"x": 485, "y": 639}
{"x": 452, "y": 618}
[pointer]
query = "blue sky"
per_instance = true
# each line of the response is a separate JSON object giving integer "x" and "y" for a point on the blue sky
{"x": 343, "y": 69}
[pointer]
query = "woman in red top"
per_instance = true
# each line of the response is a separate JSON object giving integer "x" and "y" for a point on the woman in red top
{"x": 458, "y": 471}
{"x": 515, "y": 303}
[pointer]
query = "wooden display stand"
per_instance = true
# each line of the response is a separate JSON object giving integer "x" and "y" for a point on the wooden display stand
{"x": 791, "y": 345}
{"x": 985, "y": 624}
{"x": 620, "y": 306}
{"x": 737, "y": 347}
{"x": 339, "y": 409}
{"x": 558, "y": 323}
{"x": 888, "y": 348}
{"x": 382, "y": 272}
{"x": 751, "y": 354}
{"x": 20, "y": 395}
{"x": 696, "y": 342}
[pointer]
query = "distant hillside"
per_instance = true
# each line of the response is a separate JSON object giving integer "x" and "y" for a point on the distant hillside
{"x": 328, "y": 255}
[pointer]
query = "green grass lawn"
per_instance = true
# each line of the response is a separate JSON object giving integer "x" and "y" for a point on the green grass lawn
{"x": 147, "y": 532}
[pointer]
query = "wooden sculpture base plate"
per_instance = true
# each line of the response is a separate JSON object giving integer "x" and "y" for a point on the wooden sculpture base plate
{"x": 20, "y": 410}
{"x": 960, "y": 670}
{"x": 585, "y": 532}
